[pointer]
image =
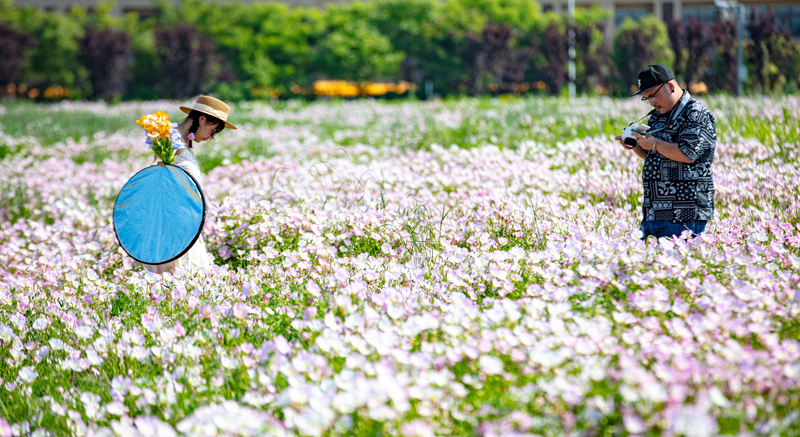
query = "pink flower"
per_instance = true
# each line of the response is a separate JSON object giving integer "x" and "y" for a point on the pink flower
{"x": 5, "y": 428}
{"x": 190, "y": 137}
{"x": 180, "y": 331}
{"x": 240, "y": 310}
{"x": 282, "y": 346}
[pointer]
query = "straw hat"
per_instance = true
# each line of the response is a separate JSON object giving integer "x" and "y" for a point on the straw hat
{"x": 213, "y": 107}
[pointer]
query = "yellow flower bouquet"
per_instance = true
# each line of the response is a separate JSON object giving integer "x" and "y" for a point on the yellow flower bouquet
{"x": 162, "y": 136}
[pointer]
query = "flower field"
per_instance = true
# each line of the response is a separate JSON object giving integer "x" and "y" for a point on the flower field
{"x": 464, "y": 268}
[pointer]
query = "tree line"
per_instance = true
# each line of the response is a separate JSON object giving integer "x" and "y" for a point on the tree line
{"x": 460, "y": 47}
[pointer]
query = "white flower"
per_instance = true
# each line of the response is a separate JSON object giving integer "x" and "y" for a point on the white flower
{"x": 417, "y": 428}
{"x": 719, "y": 399}
{"x": 84, "y": 331}
{"x": 56, "y": 344}
{"x": 758, "y": 237}
{"x": 40, "y": 324}
{"x": 42, "y": 353}
{"x": 140, "y": 353}
{"x": 491, "y": 365}
{"x": 342, "y": 275}
{"x": 691, "y": 421}
{"x": 116, "y": 408}
{"x": 633, "y": 424}
{"x": 149, "y": 426}
{"x": 6, "y": 333}
{"x": 240, "y": 310}
{"x": 282, "y": 346}
{"x": 28, "y": 374}
{"x": 313, "y": 289}
{"x": 297, "y": 396}
{"x": 57, "y": 408}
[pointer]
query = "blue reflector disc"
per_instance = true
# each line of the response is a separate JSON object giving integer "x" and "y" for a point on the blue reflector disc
{"x": 159, "y": 214}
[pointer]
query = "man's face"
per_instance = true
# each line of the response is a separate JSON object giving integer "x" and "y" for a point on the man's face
{"x": 658, "y": 99}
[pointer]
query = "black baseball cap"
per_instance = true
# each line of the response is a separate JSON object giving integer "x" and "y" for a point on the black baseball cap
{"x": 653, "y": 76}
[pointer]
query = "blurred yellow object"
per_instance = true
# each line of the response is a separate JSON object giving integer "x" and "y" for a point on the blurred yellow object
{"x": 33, "y": 93}
{"x": 336, "y": 88}
{"x": 698, "y": 88}
{"x": 56, "y": 91}
{"x": 265, "y": 92}
{"x": 344, "y": 88}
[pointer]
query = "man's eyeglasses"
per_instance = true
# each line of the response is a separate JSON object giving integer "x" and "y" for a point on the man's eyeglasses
{"x": 653, "y": 96}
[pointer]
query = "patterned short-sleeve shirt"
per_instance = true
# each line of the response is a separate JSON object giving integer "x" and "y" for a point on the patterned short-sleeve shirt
{"x": 677, "y": 191}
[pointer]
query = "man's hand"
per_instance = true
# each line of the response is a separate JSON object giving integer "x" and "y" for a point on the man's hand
{"x": 644, "y": 141}
{"x": 619, "y": 139}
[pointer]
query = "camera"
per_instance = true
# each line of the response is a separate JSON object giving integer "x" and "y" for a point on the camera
{"x": 627, "y": 134}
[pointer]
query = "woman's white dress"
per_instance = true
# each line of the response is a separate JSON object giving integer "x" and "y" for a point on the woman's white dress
{"x": 197, "y": 256}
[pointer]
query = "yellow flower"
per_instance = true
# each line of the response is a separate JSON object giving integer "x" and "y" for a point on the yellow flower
{"x": 156, "y": 125}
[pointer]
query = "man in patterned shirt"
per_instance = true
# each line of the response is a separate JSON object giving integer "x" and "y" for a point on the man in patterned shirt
{"x": 678, "y": 152}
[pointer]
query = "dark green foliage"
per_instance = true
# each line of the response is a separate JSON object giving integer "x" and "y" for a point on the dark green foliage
{"x": 103, "y": 53}
{"x": 13, "y": 45}
{"x": 637, "y": 45}
{"x": 774, "y": 56}
{"x": 266, "y": 50}
{"x": 726, "y": 62}
{"x": 187, "y": 61}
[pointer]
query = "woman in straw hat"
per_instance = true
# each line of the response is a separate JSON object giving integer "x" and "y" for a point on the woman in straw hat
{"x": 207, "y": 117}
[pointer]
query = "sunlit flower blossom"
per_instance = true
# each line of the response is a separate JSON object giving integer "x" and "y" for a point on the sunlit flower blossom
{"x": 394, "y": 285}
{"x": 28, "y": 374}
{"x": 491, "y": 365}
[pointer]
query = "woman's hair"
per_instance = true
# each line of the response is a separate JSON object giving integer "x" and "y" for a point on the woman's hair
{"x": 210, "y": 119}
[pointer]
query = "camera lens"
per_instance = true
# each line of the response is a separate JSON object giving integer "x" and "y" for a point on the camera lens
{"x": 630, "y": 141}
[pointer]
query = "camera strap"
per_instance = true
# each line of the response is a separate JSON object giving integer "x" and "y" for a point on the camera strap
{"x": 646, "y": 115}
{"x": 680, "y": 108}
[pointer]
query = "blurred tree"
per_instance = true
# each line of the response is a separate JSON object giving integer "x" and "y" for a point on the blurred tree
{"x": 491, "y": 63}
{"x": 54, "y": 59}
{"x": 784, "y": 61}
{"x": 593, "y": 71}
{"x": 521, "y": 16}
{"x": 103, "y": 54}
{"x": 265, "y": 45}
{"x": 411, "y": 26}
{"x": 639, "y": 43}
{"x": 726, "y": 62}
{"x": 187, "y": 61}
{"x": 761, "y": 27}
{"x": 698, "y": 44}
{"x": 351, "y": 48}
{"x": 550, "y": 56}
{"x": 677, "y": 41}
{"x": 13, "y": 47}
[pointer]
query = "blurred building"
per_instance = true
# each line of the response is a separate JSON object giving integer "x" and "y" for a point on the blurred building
{"x": 787, "y": 11}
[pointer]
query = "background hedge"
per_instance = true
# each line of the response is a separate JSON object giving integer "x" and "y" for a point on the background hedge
{"x": 267, "y": 50}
